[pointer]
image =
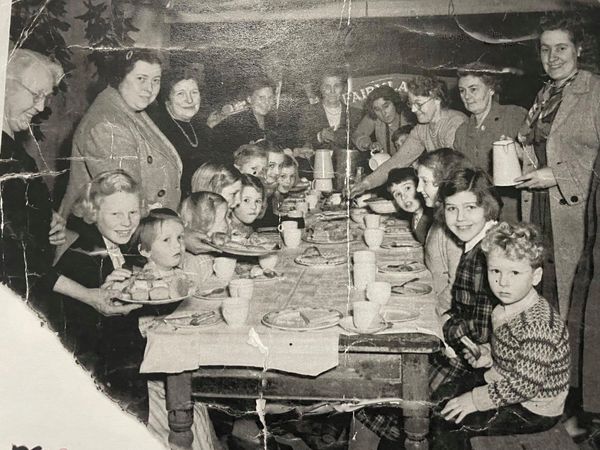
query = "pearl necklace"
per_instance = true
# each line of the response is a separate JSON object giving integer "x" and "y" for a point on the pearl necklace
{"x": 194, "y": 145}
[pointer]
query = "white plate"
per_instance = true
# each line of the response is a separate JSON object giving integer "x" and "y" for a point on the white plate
{"x": 395, "y": 315}
{"x": 326, "y": 261}
{"x": 187, "y": 321}
{"x": 347, "y": 323}
{"x": 414, "y": 289}
{"x": 290, "y": 319}
{"x": 401, "y": 268}
{"x": 153, "y": 302}
{"x": 407, "y": 245}
{"x": 214, "y": 293}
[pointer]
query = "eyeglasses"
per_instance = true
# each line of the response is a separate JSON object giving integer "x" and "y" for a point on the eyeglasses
{"x": 37, "y": 96}
{"x": 418, "y": 106}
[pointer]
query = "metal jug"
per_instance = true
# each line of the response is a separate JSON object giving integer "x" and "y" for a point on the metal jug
{"x": 345, "y": 162}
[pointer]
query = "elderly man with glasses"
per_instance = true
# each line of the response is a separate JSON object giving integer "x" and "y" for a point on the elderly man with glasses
{"x": 29, "y": 225}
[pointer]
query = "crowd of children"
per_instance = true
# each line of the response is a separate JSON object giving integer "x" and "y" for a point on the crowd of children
{"x": 509, "y": 369}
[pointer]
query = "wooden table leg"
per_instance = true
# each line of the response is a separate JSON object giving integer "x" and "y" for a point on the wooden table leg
{"x": 415, "y": 389}
{"x": 180, "y": 407}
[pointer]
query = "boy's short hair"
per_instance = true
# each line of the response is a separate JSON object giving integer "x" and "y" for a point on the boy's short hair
{"x": 198, "y": 211}
{"x": 517, "y": 241}
{"x": 443, "y": 162}
{"x": 402, "y": 131}
{"x": 470, "y": 180}
{"x": 149, "y": 226}
{"x": 400, "y": 175}
{"x": 247, "y": 152}
{"x": 103, "y": 185}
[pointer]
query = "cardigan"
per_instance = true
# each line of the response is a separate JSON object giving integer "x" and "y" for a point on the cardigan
{"x": 530, "y": 353}
{"x": 313, "y": 119}
{"x": 571, "y": 149}
{"x": 423, "y": 137}
{"x": 476, "y": 141}
{"x": 113, "y": 136}
{"x": 25, "y": 251}
{"x": 442, "y": 254}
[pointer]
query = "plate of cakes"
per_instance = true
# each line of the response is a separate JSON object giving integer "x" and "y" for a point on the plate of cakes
{"x": 313, "y": 257}
{"x": 331, "y": 232}
{"x": 149, "y": 288}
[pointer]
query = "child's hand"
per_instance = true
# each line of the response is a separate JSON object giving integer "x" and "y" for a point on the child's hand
{"x": 459, "y": 407}
{"x": 485, "y": 360}
{"x": 116, "y": 275}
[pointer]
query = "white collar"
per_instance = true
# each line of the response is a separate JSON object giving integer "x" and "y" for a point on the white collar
{"x": 523, "y": 304}
{"x": 477, "y": 239}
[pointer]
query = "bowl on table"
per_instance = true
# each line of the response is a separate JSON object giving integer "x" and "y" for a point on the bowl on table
{"x": 382, "y": 206}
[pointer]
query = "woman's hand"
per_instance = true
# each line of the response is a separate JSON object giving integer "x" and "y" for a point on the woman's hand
{"x": 327, "y": 135}
{"x": 459, "y": 407}
{"x": 57, "y": 235}
{"x": 485, "y": 360}
{"x": 102, "y": 301}
{"x": 358, "y": 188}
{"x": 303, "y": 152}
{"x": 538, "y": 179}
{"x": 376, "y": 147}
{"x": 195, "y": 242}
{"x": 116, "y": 275}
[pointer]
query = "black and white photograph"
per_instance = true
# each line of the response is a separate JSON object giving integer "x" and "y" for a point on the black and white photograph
{"x": 300, "y": 224}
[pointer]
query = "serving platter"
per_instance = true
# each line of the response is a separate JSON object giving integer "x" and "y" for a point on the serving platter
{"x": 164, "y": 301}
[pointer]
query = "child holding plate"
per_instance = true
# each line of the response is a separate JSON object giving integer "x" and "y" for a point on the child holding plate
{"x": 104, "y": 219}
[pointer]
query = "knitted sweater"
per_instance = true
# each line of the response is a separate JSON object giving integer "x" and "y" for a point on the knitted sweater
{"x": 530, "y": 352}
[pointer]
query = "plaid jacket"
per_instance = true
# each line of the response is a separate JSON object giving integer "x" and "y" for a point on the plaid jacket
{"x": 470, "y": 315}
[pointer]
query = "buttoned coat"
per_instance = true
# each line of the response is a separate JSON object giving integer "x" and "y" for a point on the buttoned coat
{"x": 113, "y": 136}
{"x": 571, "y": 149}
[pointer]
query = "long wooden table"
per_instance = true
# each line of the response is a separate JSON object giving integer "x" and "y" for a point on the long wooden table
{"x": 370, "y": 366}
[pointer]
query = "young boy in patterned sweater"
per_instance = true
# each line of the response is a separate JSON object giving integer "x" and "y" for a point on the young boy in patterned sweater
{"x": 527, "y": 360}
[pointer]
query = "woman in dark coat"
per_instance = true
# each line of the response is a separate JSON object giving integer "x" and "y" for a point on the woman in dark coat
{"x": 253, "y": 124}
{"x": 175, "y": 113}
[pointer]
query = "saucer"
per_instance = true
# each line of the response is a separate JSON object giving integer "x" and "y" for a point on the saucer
{"x": 347, "y": 323}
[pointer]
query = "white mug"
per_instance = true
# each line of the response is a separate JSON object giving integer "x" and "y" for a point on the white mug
{"x": 379, "y": 292}
{"x": 242, "y": 288}
{"x": 372, "y": 220}
{"x": 322, "y": 184}
{"x": 364, "y": 314}
{"x": 335, "y": 199}
{"x": 378, "y": 159}
{"x": 268, "y": 262}
{"x": 235, "y": 311}
{"x": 224, "y": 267}
{"x": 287, "y": 225}
{"x": 373, "y": 237}
{"x": 312, "y": 200}
{"x": 292, "y": 237}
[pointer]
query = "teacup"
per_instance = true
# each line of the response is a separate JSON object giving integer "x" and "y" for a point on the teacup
{"x": 373, "y": 237}
{"x": 292, "y": 237}
{"x": 312, "y": 200}
{"x": 335, "y": 199}
{"x": 378, "y": 159}
{"x": 287, "y": 224}
{"x": 235, "y": 311}
{"x": 363, "y": 256}
{"x": 224, "y": 267}
{"x": 364, "y": 313}
{"x": 379, "y": 292}
{"x": 268, "y": 262}
{"x": 372, "y": 220}
{"x": 242, "y": 288}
